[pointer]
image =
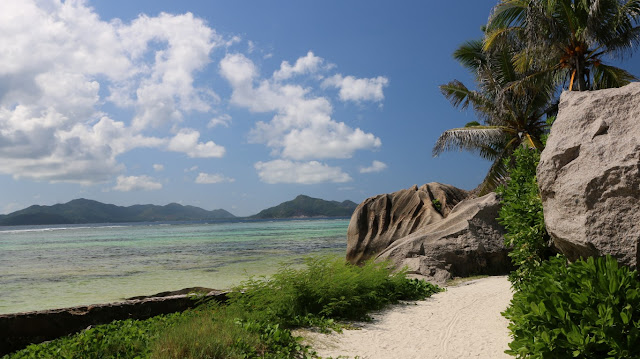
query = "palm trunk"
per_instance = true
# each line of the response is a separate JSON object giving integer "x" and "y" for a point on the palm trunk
{"x": 580, "y": 74}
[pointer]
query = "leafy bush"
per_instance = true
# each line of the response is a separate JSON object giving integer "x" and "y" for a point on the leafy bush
{"x": 119, "y": 339}
{"x": 588, "y": 309}
{"x": 328, "y": 287}
{"x": 521, "y": 215}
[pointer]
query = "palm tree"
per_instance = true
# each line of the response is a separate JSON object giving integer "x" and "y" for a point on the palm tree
{"x": 511, "y": 116}
{"x": 569, "y": 38}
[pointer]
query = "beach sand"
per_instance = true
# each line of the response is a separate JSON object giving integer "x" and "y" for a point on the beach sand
{"x": 463, "y": 322}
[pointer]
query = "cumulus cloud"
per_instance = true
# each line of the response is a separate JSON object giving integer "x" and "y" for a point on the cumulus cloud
{"x": 376, "y": 166}
{"x": 357, "y": 90}
{"x": 304, "y": 65}
{"x": 186, "y": 141}
{"x": 136, "y": 183}
{"x": 211, "y": 178}
{"x": 62, "y": 66}
{"x": 285, "y": 171}
{"x": 158, "y": 167}
{"x": 302, "y": 128}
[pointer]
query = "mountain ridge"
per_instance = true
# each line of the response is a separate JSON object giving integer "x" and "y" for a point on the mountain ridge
{"x": 304, "y": 207}
{"x": 82, "y": 211}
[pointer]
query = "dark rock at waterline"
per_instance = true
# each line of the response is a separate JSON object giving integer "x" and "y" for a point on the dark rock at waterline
{"x": 21, "y": 329}
{"x": 589, "y": 175}
{"x": 192, "y": 291}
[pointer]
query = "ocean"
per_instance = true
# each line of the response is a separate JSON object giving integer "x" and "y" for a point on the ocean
{"x": 46, "y": 267}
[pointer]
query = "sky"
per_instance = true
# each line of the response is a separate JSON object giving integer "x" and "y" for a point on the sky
{"x": 239, "y": 105}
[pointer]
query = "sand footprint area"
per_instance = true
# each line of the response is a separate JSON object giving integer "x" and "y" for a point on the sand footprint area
{"x": 462, "y": 322}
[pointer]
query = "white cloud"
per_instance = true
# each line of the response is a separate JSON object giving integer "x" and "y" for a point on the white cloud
{"x": 191, "y": 169}
{"x": 376, "y": 166}
{"x": 211, "y": 178}
{"x": 222, "y": 120}
{"x": 304, "y": 65}
{"x": 158, "y": 167}
{"x": 136, "y": 183}
{"x": 355, "y": 89}
{"x": 302, "y": 127}
{"x": 61, "y": 64}
{"x": 186, "y": 140}
{"x": 284, "y": 171}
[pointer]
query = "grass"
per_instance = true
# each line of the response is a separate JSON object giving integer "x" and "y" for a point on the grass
{"x": 256, "y": 322}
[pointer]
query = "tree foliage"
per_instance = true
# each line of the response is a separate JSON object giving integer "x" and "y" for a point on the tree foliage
{"x": 568, "y": 38}
{"x": 511, "y": 116}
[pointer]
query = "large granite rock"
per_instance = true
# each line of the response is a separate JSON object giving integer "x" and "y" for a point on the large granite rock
{"x": 381, "y": 220}
{"x": 458, "y": 237}
{"x": 468, "y": 241}
{"x": 589, "y": 175}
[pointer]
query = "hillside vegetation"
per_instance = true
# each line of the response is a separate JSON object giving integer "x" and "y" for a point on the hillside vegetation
{"x": 305, "y": 206}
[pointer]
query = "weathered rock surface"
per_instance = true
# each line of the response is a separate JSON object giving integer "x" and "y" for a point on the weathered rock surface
{"x": 589, "y": 175}
{"x": 468, "y": 241}
{"x": 381, "y": 220}
{"x": 21, "y": 329}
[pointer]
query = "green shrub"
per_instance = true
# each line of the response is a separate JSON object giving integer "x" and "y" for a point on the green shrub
{"x": 588, "y": 309}
{"x": 521, "y": 215}
{"x": 436, "y": 204}
{"x": 119, "y": 339}
{"x": 328, "y": 288}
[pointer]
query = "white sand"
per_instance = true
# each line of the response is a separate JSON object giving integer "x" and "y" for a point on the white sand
{"x": 463, "y": 322}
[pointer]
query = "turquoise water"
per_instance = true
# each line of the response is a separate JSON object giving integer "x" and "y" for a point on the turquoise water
{"x": 45, "y": 267}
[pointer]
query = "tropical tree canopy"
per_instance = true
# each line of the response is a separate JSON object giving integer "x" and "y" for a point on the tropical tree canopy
{"x": 569, "y": 38}
{"x": 511, "y": 116}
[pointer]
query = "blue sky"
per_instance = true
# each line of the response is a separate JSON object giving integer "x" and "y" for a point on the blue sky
{"x": 238, "y": 105}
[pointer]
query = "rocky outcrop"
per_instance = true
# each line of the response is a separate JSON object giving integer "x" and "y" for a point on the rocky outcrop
{"x": 21, "y": 329}
{"x": 468, "y": 241}
{"x": 589, "y": 175}
{"x": 437, "y": 231}
{"x": 381, "y": 220}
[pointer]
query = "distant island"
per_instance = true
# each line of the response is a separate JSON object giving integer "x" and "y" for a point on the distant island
{"x": 82, "y": 210}
{"x": 306, "y": 207}
{"x": 89, "y": 211}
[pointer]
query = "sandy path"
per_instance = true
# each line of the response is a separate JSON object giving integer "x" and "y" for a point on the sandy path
{"x": 463, "y": 322}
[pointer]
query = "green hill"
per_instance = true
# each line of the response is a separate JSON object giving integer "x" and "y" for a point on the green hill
{"x": 305, "y": 206}
{"x": 89, "y": 211}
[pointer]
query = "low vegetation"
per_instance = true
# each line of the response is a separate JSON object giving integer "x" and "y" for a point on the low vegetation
{"x": 522, "y": 217}
{"x": 256, "y": 322}
{"x": 587, "y": 309}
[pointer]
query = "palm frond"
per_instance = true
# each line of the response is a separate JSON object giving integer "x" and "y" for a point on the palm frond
{"x": 461, "y": 96}
{"x": 472, "y": 139}
{"x": 470, "y": 55}
{"x": 507, "y": 13}
{"x": 605, "y": 76}
{"x": 498, "y": 170}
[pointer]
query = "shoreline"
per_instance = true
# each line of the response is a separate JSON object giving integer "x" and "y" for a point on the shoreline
{"x": 17, "y": 330}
